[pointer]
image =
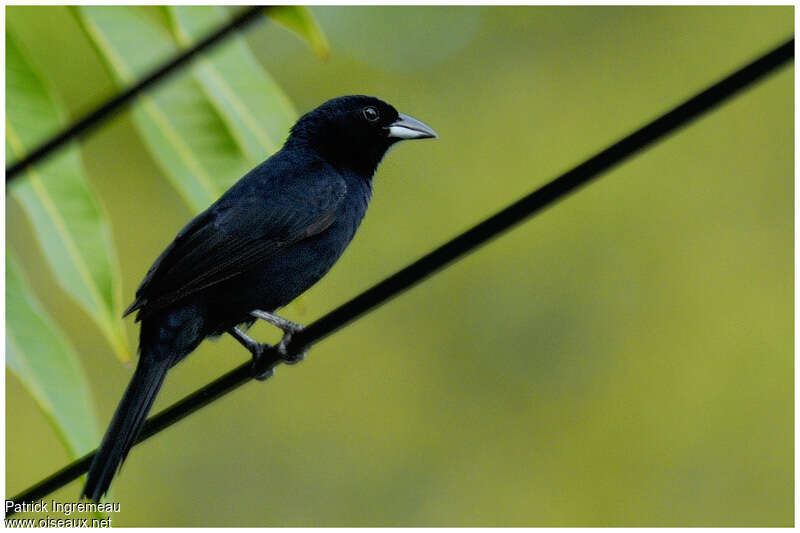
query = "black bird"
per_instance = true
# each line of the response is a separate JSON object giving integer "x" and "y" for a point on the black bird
{"x": 269, "y": 238}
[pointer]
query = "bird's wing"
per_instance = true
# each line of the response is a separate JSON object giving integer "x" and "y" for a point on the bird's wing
{"x": 235, "y": 234}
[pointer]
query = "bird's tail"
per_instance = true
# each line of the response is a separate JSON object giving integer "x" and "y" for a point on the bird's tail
{"x": 125, "y": 426}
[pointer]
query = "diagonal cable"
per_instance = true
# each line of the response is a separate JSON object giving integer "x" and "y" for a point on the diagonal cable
{"x": 466, "y": 242}
{"x": 115, "y": 104}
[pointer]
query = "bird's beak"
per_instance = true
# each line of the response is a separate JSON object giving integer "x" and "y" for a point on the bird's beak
{"x": 406, "y": 127}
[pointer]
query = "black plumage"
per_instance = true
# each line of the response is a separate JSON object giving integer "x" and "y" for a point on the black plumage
{"x": 269, "y": 238}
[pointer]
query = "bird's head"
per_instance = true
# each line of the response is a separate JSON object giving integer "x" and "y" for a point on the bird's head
{"x": 356, "y": 131}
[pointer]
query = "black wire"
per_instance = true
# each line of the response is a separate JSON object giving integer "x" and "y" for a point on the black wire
{"x": 438, "y": 258}
{"x": 114, "y": 105}
{"x": 162, "y": 420}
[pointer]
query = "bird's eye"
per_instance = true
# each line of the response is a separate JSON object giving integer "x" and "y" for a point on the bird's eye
{"x": 370, "y": 113}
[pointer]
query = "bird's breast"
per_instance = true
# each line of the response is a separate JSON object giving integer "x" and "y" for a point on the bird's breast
{"x": 301, "y": 265}
{"x": 350, "y": 213}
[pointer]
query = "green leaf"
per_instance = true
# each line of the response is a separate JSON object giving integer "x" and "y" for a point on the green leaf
{"x": 248, "y": 99}
{"x": 253, "y": 105}
{"x": 300, "y": 20}
{"x": 206, "y": 126}
{"x": 177, "y": 122}
{"x": 68, "y": 220}
{"x": 40, "y": 355}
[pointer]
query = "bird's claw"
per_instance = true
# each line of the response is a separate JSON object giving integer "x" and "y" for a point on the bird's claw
{"x": 257, "y": 349}
{"x": 282, "y": 348}
{"x": 259, "y": 361}
{"x": 289, "y": 328}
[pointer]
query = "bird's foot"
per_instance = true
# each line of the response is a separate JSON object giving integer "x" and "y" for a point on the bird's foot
{"x": 282, "y": 349}
{"x": 289, "y": 328}
{"x": 261, "y": 363}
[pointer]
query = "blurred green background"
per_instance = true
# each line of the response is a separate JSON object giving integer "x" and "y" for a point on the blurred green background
{"x": 626, "y": 358}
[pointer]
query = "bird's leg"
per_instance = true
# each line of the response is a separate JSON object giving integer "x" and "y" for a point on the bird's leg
{"x": 288, "y": 328}
{"x": 284, "y": 325}
{"x": 255, "y": 348}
